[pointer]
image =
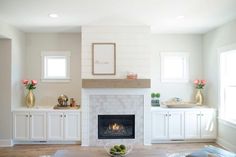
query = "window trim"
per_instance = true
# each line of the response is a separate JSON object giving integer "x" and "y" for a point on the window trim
{"x": 221, "y": 107}
{"x": 55, "y": 54}
{"x": 185, "y": 79}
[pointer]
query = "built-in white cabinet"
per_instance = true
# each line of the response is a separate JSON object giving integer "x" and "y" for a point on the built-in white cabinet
{"x": 183, "y": 124}
{"x": 63, "y": 126}
{"x": 167, "y": 125}
{"x": 29, "y": 126}
{"x": 55, "y": 126}
{"x": 200, "y": 124}
{"x": 46, "y": 125}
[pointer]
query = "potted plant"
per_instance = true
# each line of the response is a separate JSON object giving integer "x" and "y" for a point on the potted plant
{"x": 155, "y": 99}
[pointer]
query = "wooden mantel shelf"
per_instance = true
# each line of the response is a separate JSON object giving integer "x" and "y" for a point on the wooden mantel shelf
{"x": 116, "y": 83}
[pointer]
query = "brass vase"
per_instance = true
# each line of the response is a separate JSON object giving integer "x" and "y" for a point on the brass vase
{"x": 30, "y": 99}
{"x": 199, "y": 97}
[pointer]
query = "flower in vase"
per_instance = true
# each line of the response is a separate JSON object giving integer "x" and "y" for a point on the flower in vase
{"x": 199, "y": 84}
{"x": 30, "y": 84}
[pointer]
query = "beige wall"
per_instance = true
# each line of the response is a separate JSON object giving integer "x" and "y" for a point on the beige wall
{"x": 213, "y": 41}
{"x": 5, "y": 84}
{"x": 191, "y": 44}
{"x": 47, "y": 93}
{"x": 12, "y": 70}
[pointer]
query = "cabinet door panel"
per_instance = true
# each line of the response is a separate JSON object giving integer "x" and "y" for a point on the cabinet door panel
{"x": 72, "y": 126}
{"x": 159, "y": 125}
{"x": 208, "y": 124}
{"x": 38, "y": 126}
{"x": 21, "y": 125}
{"x": 192, "y": 124}
{"x": 55, "y": 126}
{"x": 176, "y": 125}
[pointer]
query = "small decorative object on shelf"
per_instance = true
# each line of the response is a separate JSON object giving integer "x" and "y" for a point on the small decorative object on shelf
{"x": 132, "y": 76}
{"x": 155, "y": 99}
{"x": 63, "y": 103}
{"x": 199, "y": 85}
{"x": 62, "y": 100}
{"x": 30, "y": 98}
{"x": 72, "y": 102}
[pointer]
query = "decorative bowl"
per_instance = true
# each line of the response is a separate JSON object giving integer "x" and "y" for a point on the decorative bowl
{"x": 109, "y": 147}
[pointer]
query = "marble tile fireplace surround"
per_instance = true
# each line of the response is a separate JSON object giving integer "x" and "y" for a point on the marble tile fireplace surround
{"x": 115, "y": 101}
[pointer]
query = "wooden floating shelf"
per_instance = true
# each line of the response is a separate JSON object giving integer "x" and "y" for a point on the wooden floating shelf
{"x": 116, "y": 83}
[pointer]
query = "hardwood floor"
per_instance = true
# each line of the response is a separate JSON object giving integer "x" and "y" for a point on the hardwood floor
{"x": 48, "y": 150}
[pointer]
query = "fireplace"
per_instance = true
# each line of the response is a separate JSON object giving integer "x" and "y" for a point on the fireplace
{"x": 116, "y": 126}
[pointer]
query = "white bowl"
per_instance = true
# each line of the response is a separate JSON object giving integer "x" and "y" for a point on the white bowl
{"x": 108, "y": 146}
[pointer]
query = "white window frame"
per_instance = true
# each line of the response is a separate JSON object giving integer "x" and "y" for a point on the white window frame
{"x": 55, "y": 54}
{"x": 221, "y": 105}
{"x": 185, "y": 57}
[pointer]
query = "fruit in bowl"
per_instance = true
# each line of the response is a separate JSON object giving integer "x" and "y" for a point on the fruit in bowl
{"x": 118, "y": 150}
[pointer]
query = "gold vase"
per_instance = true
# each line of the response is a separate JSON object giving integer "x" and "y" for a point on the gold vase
{"x": 199, "y": 97}
{"x": 30, "y": 99}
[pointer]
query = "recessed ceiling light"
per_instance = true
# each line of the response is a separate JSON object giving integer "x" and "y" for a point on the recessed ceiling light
{"x": 180, "y": 17}
{"x": 53, "y": 15}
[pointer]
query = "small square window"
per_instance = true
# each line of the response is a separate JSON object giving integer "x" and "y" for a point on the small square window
{"x": 174, "y": 67}
{"x": 55, "y": 66}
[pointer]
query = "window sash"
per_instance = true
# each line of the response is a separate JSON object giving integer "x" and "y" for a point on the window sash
{"x": 48, "y": 57}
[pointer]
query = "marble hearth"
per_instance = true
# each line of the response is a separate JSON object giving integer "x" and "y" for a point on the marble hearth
{"x": 115, "y": 101}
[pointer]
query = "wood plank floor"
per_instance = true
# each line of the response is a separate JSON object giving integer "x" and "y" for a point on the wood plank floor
{"x": 41, "y": 150}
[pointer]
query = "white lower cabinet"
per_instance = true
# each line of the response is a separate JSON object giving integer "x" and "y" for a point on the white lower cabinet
{"x": 29, "y": 126}
{"x": 181, "y": 124}
{"x": 200, "y": 124}
{"x": 63, "y": 126}
{"x": 167, "y": 125}
{"x": 46, "y": 125}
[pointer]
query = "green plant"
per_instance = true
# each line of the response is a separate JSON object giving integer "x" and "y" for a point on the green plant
{"x": 158, "y": 95}
{"x": 155, "y": 95}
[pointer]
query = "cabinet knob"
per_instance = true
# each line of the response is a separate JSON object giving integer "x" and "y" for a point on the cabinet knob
{"x": 26, "y": 115}
{"x": 169, "y": 114}
{"x": 64, "y": 115}
{"x": 61, "y": 115}
{"x": 30, "y": 115}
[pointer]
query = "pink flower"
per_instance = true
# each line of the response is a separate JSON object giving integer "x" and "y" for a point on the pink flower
{"x": 196, "y": 81}
{"x": 25, "y": 81}
{"x": 30, "y": 85}
{"x": 34, "y": 82}
{"x": 203, "y": 82}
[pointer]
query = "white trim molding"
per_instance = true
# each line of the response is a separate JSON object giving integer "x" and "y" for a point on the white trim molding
{"x": 45, "y": 56}
{"x": 225, "y": 144}
{"x": 6, "y": 143}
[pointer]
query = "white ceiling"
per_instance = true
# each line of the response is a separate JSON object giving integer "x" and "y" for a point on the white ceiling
{"x": 200, "y": 15}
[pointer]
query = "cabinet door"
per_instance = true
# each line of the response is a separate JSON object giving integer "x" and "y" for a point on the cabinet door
{"x": 176, "y": 125}
{"x": 192, "y": 124}
{"x": 159, "y": 125}
{"x": 55, "y": 125}
{"x": 21, "y": 125}
{"x": 72, "y": 126}
{"x": 208, "y": 124}
{"x": 38, "y": 126}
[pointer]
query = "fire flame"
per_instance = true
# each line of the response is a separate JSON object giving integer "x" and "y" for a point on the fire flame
{"x": 115, "y": 126}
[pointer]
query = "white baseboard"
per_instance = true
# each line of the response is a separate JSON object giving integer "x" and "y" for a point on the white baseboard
{"x": 6, "y": 143}
{"x": 226, "y": 144}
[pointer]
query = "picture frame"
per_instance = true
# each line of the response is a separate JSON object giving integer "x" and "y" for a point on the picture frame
{"x": 103, "y": 58}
